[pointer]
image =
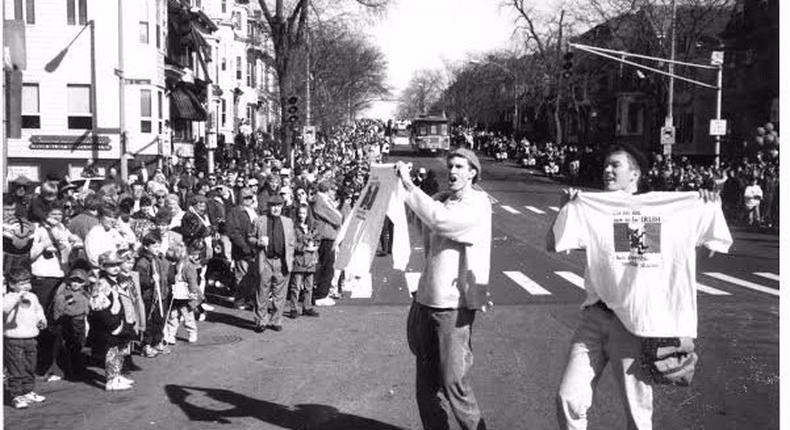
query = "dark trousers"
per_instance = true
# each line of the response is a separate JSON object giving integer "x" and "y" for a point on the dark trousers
{"x": 272, "y": 283}
{"x": 441, "y": 340}
{"x": 72, "y": 329}
{"x": 385, "y": 239}
{"x": 19, "y": 359}
{"x": 325, "y": 270}
{"x": 155, "y": 322}
{"x": 49, "y": 339}
{"x": 300, "y": 281}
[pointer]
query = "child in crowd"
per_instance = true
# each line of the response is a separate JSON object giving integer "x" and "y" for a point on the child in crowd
{"x": 70, "y": 309}
{"x": 185, "y": 295}
{"x": 23, "y": 317}
{"x": 305, "y": 261}
{"x": 109, "y": 321}
{"x": 153, "y": 270}
{"x": 219, "y": 276}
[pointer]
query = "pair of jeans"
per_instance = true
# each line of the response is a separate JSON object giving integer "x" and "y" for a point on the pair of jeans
{"x": 179, "y": 312}
{"x": 441, "y": 340}
{"x": 73, "y": 331}
{"x": 600, "y": 339}
{"x": 325, "y": 270}
{"x": 19, "y": 359}
{"x": 246, "y": 279}
{"x": 300, "y": 281}
{"x": 49, "y": 339}
{"x": 272, "y": 283}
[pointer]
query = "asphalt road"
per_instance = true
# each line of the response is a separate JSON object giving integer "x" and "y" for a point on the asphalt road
{"x": 351, "y": 368}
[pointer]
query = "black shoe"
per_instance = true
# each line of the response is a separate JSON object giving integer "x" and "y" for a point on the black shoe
{"x": 293, "y": 314}
{"x": 310, "y": 312}
{"x": 260, "y": 328}
{"x": 276, "y": 327}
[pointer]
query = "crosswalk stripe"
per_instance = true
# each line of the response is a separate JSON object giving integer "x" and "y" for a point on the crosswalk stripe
{"x": 742, "y": 283}
{"x": 572, "y": 278}
{"x": 412, "y": 281}
{"x": 554, "y": 208}
{"x": 712, "y": 291}
{"x": 771, "y": 276}
{"x": 534, "y": 209}
{"x": 524, "y": 282}
{"x": 510, "y": 209}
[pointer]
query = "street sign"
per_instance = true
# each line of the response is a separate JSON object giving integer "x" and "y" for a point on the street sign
{"x": 717, "y": 58}
{"x": 308, "y": 134}
{"x": 668, "y": 135}
{"x": 718, "y": 127}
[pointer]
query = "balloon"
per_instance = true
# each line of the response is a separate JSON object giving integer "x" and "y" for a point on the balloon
{"x": 774, "y": 153}
{"x": 760, "y": 131}
{"x": 759, "y": 140}
{"x": 769, "y": 126}
{"x": 769, "y": 138}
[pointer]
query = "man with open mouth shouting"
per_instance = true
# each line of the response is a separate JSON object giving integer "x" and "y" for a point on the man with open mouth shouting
{"x": 456, "y": 227}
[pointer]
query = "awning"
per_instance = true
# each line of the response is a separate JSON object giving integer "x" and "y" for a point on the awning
{"x": 184, "y": 104}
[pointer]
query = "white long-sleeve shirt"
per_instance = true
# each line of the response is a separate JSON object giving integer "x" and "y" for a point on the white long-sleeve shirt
{"x": 20, "y": 321}
{"x": 457, "y": 237}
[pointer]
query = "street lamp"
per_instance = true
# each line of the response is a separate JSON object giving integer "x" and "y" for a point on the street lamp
{"x": 515, "y": 87}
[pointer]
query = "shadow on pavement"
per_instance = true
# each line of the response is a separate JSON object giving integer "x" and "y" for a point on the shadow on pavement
{"x": 298, "y": 417}
{"x": 230, "y": 319}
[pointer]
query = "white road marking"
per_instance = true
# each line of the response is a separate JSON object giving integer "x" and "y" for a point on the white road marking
{"x": 534, "y": 209}
{"x": 510, "y": 209}
{"x": 492, "y": 199}
{"x": 771, "y": 276}
{"x": 524, "y": 282}
{"x": 742, "y": 283}
{"x": 412, "y": 281}
{"x": 572, "y": 278}
{"x": 712, "y": 291}
{"x": 361, "y": 287}
{"x": 554, "y": 208}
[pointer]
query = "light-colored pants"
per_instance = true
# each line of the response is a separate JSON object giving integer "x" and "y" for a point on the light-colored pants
{"x": 601, "y": 338}
{"x": 180, "y": 313}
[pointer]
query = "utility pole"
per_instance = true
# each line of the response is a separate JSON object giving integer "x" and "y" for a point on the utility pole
{"x": 307, "y": 74}
{"x": 669, "y": 120}
{"x": 121, "y": 97}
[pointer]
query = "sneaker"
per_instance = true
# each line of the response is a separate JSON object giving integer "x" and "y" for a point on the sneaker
{"x": 53, "y": 378}
{"x": 163, "y": 349}
{"x": 34, "y": 398}
{"x": 207, "y": 307}
{"x": 125, "y": 380}
{"x": 21, "y": 402}
{"x": 293, "y": 314}
{"x": 192, "y": 339}
{"x": 310, "y": 312}
{"x": 149, "y": 352}
{"x": 201, "y": 316}
{"x": 169, "y": 342}
{"x": 116, "y": 384}
{"x": 326, "y": 301}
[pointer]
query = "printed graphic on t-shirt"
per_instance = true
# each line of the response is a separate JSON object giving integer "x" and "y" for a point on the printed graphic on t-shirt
{"x": 637, "y": 238}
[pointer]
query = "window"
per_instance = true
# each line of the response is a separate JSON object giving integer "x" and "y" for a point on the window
{"x": 223, "y": 112}
{"x": 144, "y": 32}
{"x": 238, "y": 67}
{"x": 76, "y": 12}
{"x": 30, "y": 106}
{"x": 159, "y": 109}
{"x": 158, "y": 36}
{"x": 250, "y": 74}
{"x": 224, "y": 6}
{"x": 80, "y": 109}
{"x": 145, "y": 111}
{"x": 224, "y": 64}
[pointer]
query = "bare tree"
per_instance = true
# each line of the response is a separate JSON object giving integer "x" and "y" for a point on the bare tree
{"x": 423, "y": 92}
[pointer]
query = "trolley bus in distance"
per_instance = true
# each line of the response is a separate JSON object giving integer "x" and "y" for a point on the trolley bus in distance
{"x": 430, "y": 133}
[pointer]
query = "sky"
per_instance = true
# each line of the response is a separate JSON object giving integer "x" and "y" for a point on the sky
{"x": 425, "y": 34}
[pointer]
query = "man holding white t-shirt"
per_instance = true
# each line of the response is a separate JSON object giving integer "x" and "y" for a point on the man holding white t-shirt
{"x": 640, "y": 279}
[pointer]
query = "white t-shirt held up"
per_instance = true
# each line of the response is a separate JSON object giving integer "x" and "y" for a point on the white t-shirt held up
{"x": 641, "y": 254}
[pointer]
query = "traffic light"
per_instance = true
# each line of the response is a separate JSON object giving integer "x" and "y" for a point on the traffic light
{"x": 292, "y": 110}
{"x": 567, "y": 65}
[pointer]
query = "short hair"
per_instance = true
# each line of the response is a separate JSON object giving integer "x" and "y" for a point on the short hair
{"x": 56, "y": 205}
{"x": 126, "y": 205}
{"x": 18, "y": 275}
{"x": 164, "y": 216}
{"x": 93, "y": 202}
{"x": 196, "y": 246}
{"x": 635, "y": 156}
{"x": 151, "y": 238}
{"x": 108, "y": 210}
{"x": 49, "y": 189}
{"x": 146, "y": 201}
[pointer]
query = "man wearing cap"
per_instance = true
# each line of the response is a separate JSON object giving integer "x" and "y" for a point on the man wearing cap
{"x": 238, "y": 227}
{"x": 274, "y": 238}
{"x": 456, "y": 227}
{"x": 627, "y": 239}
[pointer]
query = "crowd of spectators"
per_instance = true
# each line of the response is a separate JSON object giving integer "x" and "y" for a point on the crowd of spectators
{"x": 119, "y": 267}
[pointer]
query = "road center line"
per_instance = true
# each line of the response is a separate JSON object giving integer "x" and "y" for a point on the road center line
{"x": 771, "y": 276}
{"x": 710, "y": 290}
{"x": 554, "y": 208}
{"x": 510, "y": 209}
{"x": 527, "y": 284}
{"x": 742, "y": 283}
{"x": 572, "y": 278}
{"x": 536, "y": 210}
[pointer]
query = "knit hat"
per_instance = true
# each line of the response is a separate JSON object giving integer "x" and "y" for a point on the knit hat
{"x": 471, "y": 157}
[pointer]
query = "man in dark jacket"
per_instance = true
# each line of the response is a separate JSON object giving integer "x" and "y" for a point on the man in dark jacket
{"x": 327, "y": 222}
{"x": 238, "y": 227}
